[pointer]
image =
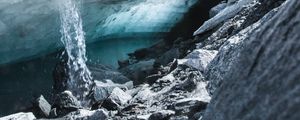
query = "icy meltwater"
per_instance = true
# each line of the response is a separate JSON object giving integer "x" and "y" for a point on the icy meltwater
{"x": 20, "y": 82}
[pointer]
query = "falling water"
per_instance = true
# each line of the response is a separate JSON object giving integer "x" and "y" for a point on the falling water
{"x": 79, "y": 82}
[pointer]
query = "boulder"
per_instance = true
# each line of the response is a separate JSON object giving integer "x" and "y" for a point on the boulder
{"x": 42, "y": 106}
{"x": 263, "y": 83}
{"x": 198, "y": 59}
{"x": 117, "y": 98}
{"x": 189, "y": 106}
{"x": 103, "y": 90}
{"x": 65, "y": 102}
{"x": 161, "y": 115}
{"x": 19, "y": 116}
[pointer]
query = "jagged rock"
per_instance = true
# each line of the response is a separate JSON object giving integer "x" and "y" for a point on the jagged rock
{"x": 264, "y": 82}
{"x": 42, "y": 106}
{"x": 19, "y": 116}
{"x": 86, "y": 115}
{"x": 117, "y": 98}
{"x": 138, "y": 71}
{"x": 103, "y": 90}
{"x": 161, "y": 115}
{"x": 215, "y": 10}
{"x": 189, "y": 106}
{"x": 228, "y": 52}
{"x": 65, "y": 102}
{"x": 249, "y": 14}
{"x": 227, "y": 13}
{"x": 198, "y": 59}
{"x": 109, "y": 104}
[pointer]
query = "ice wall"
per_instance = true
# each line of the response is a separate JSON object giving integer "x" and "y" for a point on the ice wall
{"x": 31, "y": 28}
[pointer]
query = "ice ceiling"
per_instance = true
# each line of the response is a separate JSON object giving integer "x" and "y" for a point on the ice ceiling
{"x": 30, "y": 28}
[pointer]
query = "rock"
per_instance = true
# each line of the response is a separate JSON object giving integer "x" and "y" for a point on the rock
{"x": 263, "y": 83}
{"x": 119, "y": 96}
{"x": 103, "y": 90}
{"x": 198, "y": 59}
{"x": 86, "y": 115}
{"x": 168, "y": 56}
{"x": 65, "y": 102}
{"x": 250, "y": 14}
{"x": 42, "y": 106}
{"x": 110, "y": 104}
{"x": 53, "y": 113}
{"x": 138, "y": 71}
{"x": 189, "y": 106}
{"x": 152, "y": 78}
{"x": 102, "y": 73}
{"x": 19, "y": 116}
{"x": 228, "y": 53}
{"x": 225, "y": 14}
{"x": 161, "y": 115}
{"x": 215, "y": 10}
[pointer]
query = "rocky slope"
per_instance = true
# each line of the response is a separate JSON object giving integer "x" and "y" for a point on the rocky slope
{"x": 242, "y": 64}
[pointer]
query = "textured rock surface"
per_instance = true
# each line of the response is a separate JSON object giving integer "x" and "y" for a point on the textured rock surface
{"x": 199, "y": 59}
{"x": 264, "y": 82}
{"x": 43, "y": 107}
{"x": 19, "y": 116}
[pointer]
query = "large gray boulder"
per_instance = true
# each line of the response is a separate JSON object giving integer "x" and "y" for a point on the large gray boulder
{"x": 263, "y": 84}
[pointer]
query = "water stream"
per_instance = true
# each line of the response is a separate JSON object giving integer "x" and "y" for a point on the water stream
{"x": 80, "y": 80}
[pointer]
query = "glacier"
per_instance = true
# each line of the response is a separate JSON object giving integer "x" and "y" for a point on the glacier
{"x": 29, "y": 29}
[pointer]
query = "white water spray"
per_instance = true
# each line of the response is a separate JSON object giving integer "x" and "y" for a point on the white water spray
{"x": 80, "y": 80}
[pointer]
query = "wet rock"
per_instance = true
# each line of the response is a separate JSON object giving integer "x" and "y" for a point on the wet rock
{"x": 103, "y": 90}
{"x": 198, "y": 59}
{"x": 117, "y": 98}
{"x": 42, "y": 107}
{"x": 19, "y": 116}
{"x": 161, "y": 115}
{"x": 65, "y": 103}
{"x": 189, "y": 106}
{"x": 138, "y": 71}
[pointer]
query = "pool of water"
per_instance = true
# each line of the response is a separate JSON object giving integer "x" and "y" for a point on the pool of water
{"x": 21, "y": 82}
{"x": 110, "y": 51}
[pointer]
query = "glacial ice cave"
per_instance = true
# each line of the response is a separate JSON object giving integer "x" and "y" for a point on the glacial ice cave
{"x": 149, "y": 59}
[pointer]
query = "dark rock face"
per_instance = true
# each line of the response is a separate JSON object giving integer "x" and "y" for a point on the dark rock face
{"x": 263, "y": 83}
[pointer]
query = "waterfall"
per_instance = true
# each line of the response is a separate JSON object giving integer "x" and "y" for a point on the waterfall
{"x": 80, "y": 81}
